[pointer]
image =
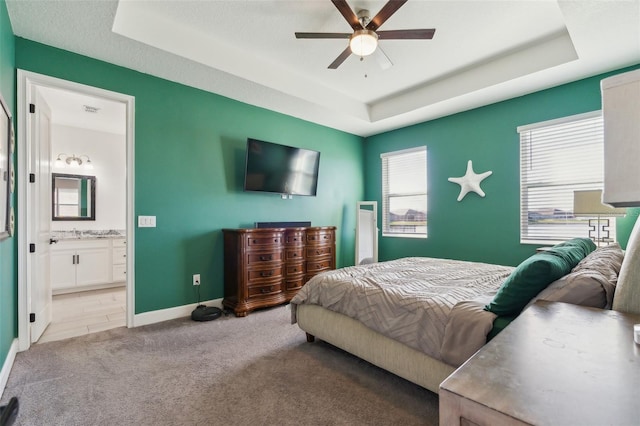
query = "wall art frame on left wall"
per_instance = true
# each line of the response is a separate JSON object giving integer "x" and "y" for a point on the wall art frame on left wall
{"x": 7, "y": 173}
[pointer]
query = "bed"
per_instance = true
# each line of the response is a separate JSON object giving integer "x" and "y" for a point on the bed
{"x": 420, "y": 318}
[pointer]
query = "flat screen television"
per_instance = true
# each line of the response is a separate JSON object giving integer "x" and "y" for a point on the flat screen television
{"x": 271, "y": 167}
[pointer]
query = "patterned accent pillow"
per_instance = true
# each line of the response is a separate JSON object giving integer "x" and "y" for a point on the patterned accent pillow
{"x": 591, "y": 283}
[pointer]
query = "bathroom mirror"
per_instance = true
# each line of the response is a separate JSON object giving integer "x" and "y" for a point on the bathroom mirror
{"x": 73, "y": 197}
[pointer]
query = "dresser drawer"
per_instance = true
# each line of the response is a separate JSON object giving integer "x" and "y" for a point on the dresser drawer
{"x": 320, "y": 237}
{"x": 313, "y": 267}
{"x": 265, "y": 289}
{"x": 254, "y": 258}
{"x": 292, "y": 254}
{"x": 264, "y": 274}
{"x": 319, "y": 251}
{"x": 264, "y": 240}
{"x": 294, "y": 284}
{"x": 295, "y": 268}
{"x": 294, "y": 238}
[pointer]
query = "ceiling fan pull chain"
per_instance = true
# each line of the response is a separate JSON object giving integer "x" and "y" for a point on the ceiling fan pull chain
{"x": 364, "y": 65}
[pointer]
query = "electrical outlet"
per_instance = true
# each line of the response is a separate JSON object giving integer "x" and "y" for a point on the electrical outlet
{"x": 196, "y": 279}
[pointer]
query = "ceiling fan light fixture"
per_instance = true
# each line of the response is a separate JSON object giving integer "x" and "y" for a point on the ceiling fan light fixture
{"x": 363, "y": 42}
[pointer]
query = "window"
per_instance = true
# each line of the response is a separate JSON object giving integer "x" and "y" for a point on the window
{"x": 404, "y": 193}
{"x": 557, "y": 158}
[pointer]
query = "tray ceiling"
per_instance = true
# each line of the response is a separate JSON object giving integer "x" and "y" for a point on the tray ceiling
{"x": 482, "y": 51}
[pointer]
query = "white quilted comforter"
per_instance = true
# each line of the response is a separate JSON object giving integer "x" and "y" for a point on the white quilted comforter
{"x": 408, "y": 299}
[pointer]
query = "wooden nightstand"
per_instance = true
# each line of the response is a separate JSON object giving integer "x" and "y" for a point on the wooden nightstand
{"x": 556, "y": 364}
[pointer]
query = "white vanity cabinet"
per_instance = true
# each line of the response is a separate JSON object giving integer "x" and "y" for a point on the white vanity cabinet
{"x": 119, "y": 259}
{"x": 85, "y": 264}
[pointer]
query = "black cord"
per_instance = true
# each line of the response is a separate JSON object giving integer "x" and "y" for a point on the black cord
{"x": 198, "y": 295}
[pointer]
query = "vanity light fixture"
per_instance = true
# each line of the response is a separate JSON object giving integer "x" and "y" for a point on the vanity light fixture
{"x": 74, "y": 161}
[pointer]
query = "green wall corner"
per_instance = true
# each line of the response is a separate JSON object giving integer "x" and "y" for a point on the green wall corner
{"x": 478, "y": 229}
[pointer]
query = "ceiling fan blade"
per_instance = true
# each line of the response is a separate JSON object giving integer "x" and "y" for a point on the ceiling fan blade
{"x": 385, "y": 13}
{"x": 424, "y": 34}
{"x": 340, "y": 59}
{"x": 348, "y": 14}
{"x": 382, "y": 59}
{"x": 323, "y": 35}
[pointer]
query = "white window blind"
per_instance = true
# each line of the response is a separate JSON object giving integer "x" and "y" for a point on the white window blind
{"x": 404, "y": 193}
{"x": 557, "y": 158}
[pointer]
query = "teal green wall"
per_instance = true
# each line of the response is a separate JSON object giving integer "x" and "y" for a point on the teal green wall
{"x": 189, "y": 168}
{"x": 8, "y": 281}
{"x": 189, "y": 159}
{"x": 478, "y": 229}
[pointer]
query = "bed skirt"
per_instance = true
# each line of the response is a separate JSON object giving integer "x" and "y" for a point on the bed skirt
{"x": 352, "y": 336}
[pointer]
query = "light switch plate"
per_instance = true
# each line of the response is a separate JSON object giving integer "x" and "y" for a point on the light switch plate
{"x": 146, "y": 221}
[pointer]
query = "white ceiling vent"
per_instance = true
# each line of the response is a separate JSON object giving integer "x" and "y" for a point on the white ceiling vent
{"x": 91, "y": 109}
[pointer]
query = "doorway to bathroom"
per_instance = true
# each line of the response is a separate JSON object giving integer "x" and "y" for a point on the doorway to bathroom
{"x": 75, "y": 204}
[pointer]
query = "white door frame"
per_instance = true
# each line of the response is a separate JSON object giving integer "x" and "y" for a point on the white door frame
{"x": 28, "y": 82}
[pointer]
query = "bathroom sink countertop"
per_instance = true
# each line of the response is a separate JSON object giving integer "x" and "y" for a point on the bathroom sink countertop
{"x": 87, "y": 234}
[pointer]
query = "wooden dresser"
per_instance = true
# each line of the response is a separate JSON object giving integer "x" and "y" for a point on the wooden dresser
{"x": 266, "y": 266}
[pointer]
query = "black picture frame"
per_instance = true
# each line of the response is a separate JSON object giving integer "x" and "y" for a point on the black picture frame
{"x": 7, "y": 174}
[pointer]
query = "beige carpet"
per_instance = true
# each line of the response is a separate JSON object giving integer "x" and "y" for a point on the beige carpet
{"x": 257, "y": 370}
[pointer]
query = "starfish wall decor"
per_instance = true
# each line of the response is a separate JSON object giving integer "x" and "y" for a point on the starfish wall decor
{"x": 470, "y": 182}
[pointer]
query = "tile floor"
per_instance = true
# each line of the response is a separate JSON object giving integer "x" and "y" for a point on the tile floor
{"x": 75, "y": 314}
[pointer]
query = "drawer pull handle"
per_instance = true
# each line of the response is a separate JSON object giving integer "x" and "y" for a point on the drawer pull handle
{"x": 255, "y": 241}
{"x": 266, "y": 274}
{"x": 263, "y": 258}
{"x": 266, "y": 289}
{"x": 275, "y": 240}
{"x": 295, "y": 254}
{"x": 318, "y": 251}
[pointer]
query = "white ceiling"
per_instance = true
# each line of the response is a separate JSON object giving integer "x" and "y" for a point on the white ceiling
{"x": 88, "y": 112}
{"x": 482, "y": 51}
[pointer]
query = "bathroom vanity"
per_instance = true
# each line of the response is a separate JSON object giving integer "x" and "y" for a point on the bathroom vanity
{"x": 87, "y": 260}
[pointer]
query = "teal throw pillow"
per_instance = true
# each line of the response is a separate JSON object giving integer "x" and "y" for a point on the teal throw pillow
{"x": 535, "y": 273}
{"x": 573, "y": 251}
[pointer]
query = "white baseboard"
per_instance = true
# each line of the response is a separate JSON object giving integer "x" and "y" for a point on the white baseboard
{"x": 8, "y": 364}
{"x": 160, "y": 315}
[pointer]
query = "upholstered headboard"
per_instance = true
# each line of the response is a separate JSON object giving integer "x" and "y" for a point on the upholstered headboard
{"x": 627, "y": 295}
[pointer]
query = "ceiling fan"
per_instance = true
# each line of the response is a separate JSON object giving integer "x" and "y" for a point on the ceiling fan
{"x": 364, "y": 39}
